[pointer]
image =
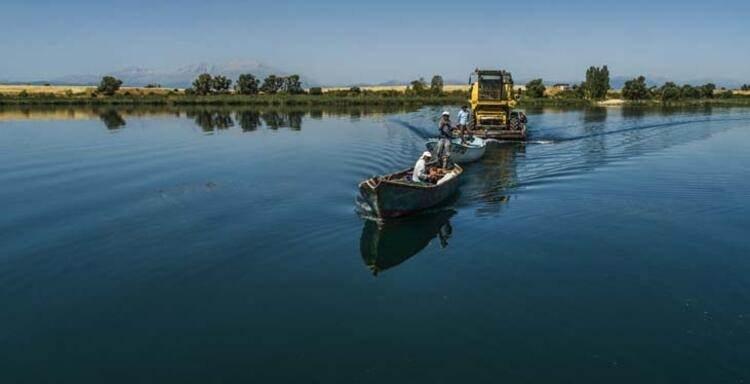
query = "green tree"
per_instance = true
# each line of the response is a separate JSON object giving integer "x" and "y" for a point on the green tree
{"x": 419, "y": 86}
{"x": 636, "y": 89}
{"x": 220, "y": 84}
{"x": 597, "y": 83}
{"x": 535, "y": 88}
{"x": 690, "y": 92}
{"x": 436, "y": 84}
{"x": 745, "y": 87}
{"x": 669, "y": 91}
{"x": 292, "y": 85}
{"x": 109, "y": 85}
{"x": 355, "y": 90}
{"x": 246, "y": 84}
{"x": 317, "y": 91}
{"x": 727, "y": 94}
{"x": 203, "y": 84}
{"x": 271, "y": 84}
{"x": 579, "y": 91}
{"x": 707, "y": 90}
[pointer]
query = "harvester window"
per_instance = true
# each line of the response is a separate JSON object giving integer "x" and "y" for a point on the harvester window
{"x": 491, "y": 87}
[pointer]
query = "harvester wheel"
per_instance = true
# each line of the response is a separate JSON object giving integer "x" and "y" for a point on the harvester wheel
{"x": 515, "y": 123}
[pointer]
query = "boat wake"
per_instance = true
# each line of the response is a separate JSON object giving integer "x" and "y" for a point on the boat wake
{"x": 418, "y": 131}
{"x": 582, "y": 142}
{"x": 634, "y": 128}
{"x": 518, "y": 141}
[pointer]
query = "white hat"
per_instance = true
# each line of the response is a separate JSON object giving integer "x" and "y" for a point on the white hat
{"x": 426, "y": 154}
{"x": 446, "y": 113}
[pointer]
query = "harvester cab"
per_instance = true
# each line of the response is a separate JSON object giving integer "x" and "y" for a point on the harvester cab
{"x": 492, "y": 101}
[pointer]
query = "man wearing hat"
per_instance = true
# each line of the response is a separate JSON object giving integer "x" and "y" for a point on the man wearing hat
{"x": 443, "y": 150}
{"x": 420, "y": 174}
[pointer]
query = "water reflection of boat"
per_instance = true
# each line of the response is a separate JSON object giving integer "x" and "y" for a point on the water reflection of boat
{"x": 491, "y": 180}
{"x": 386, "y": 245}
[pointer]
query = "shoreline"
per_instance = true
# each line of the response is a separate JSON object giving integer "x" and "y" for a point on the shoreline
{"x": 287, "y": 100}
{"x": 133, "y": 96}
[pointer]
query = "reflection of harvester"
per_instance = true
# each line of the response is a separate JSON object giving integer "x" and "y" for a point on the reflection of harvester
{"x": 492, "y": 102}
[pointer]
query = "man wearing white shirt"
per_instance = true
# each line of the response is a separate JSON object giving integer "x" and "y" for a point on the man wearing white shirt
{"x": 419, "y": 174}
{"x": 463, "y": 120}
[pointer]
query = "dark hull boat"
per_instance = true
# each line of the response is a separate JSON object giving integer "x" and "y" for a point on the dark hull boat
{"x": 395, "y": 195}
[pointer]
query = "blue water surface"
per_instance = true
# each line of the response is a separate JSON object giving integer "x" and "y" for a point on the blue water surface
{"x": 224, "y": 246}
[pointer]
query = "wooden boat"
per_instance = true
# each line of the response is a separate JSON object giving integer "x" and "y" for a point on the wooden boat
{"x": 462, "y": 153}
{"x": 396, "y": 195}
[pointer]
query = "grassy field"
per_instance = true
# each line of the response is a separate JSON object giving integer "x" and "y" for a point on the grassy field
{"x": 343, "y": 99}
{"x": 63, "y": 90}
{"x": 74, "y": 90}
{"x": 399, "y": 88}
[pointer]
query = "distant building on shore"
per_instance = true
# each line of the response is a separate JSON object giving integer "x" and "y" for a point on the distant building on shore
{"x": 561, "y": 86}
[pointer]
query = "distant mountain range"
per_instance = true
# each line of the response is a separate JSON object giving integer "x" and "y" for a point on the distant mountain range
{"x": 178, "y": 78}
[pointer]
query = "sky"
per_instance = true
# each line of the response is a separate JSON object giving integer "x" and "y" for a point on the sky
{"x": 347, "y": 42}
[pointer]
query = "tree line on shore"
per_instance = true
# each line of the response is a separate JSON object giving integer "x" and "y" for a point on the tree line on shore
{"x": 637, "y": 90}
{"x": 597, "y": 87}
{"x": 247, "y": 84}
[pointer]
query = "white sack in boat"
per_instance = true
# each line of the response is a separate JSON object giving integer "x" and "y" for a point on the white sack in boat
{"x": 446, "y": 178}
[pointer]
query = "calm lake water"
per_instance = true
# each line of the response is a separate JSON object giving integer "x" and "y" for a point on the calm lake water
{"x": 214, "y": 245}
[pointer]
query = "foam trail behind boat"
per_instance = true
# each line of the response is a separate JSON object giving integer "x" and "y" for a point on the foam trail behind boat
{"x": 517, "y": 141}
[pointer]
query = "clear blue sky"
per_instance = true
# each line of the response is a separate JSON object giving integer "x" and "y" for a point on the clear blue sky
{"x": 337, "y": 41}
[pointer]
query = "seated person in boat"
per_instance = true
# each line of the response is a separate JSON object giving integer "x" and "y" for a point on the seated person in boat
{"x": 424, "y": 174}
{"x": 419, "y": 173}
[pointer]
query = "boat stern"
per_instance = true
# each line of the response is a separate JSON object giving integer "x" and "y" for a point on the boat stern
{"x": 368, "y": 196}
{"x": 500, "y": 133}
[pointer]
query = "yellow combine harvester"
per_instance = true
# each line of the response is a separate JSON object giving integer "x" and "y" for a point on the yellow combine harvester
{"x": 492, "y": 102}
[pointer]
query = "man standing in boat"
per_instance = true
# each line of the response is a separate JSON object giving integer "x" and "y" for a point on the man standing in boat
{"x": 443, "y": 150}
{"x": 463, "y": 122}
